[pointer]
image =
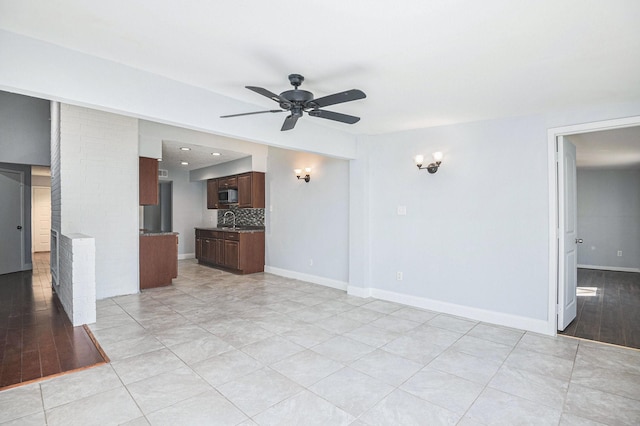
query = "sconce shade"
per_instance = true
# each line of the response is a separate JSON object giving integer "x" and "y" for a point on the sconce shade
{"x": 307, "y": 176}
{"x": 431, "y": 167}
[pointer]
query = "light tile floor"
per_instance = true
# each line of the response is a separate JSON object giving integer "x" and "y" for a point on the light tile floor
{"x": 217, "y": 348}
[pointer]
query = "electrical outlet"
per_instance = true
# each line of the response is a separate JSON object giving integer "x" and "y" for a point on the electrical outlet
{"x": 402, "y": 210}
{"x": 310, "y": 262}
{"x": 619, "y": 253}
{"x": 399, "y": 276}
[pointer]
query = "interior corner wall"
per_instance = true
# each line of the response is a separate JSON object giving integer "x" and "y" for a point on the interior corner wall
{"x": 307, "y": 224}
{"x": 609, "y": 218}
{"x": 99, "y": 192}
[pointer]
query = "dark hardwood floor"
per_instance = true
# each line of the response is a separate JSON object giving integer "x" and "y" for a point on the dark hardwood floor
{"x": 36, "y": 337}
{"x": 610, "y": 312}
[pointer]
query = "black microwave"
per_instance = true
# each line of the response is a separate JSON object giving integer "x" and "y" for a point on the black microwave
{"x": 228, "y": 196}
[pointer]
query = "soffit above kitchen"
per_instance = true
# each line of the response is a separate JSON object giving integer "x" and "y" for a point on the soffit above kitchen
{"x": 421, "y": 63}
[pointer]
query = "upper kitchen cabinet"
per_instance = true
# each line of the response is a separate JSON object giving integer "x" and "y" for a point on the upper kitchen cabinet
{"x": 251, "y": 190}
{"x": 148, "y": 181}
{"x": 212, "y": 194}
{"x": 228, "y": 182}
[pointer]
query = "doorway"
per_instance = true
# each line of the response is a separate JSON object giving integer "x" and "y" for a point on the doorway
{"x": 41, "y": 217}
{"x": 559, "y": 269}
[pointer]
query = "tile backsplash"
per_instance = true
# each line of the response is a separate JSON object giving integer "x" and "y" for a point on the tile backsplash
{"x": 244, "y": 217}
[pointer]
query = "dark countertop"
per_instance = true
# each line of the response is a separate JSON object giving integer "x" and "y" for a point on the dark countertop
{"x": 240, "y": 229}
{"x": 147, "y": 233}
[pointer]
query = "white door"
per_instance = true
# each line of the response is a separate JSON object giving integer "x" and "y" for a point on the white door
{"x": 11, "y": 242}
{"x": 567, "y": 233}
{"x": 41, "y": 211}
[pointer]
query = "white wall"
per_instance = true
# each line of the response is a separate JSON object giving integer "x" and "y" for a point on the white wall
{"x": 99, "y": 192}
{"x": 609, "y": 218}
{"x": 187, "y": 214}
{"x": 308, "y": 221}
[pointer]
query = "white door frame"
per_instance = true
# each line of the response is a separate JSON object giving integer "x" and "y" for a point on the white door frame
{"x": 552, "y": 135}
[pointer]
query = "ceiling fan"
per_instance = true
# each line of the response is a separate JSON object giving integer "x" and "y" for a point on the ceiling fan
{"x": 297, "y": 101}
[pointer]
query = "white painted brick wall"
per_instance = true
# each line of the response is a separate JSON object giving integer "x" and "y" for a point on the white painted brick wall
{"x": 77, "y": 289}
{"x": 99, "y": 192}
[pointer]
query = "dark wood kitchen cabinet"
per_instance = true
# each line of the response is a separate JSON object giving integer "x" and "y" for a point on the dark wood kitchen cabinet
{"x": 228, "y": 182}
{"x": 251, "y": 190}
{"x": 239, "y": 252}
{"x": 212, "y": 194}
{"x": 158, "y": 259}
{"x": 148, "y": 181}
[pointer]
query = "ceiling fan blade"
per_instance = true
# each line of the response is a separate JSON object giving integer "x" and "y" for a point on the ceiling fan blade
{"x": 335, "y": 116}
{"x": 251, "y": 113}
{"x": 289, "y": 122}
{"x": 268, "y": 94}
{"x": 337, "y": 98}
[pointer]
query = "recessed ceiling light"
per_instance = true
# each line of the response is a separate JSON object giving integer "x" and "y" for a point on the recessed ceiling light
{"x": 215, "y": 153}
{"x": 184, "y": 148}
{"x": 184, "y": 163}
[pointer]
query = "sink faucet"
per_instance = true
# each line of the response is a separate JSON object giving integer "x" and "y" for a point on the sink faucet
{"x": 224, "y": 218}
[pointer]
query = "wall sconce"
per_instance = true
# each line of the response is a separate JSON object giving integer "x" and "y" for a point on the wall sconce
{"x": 432, "y": 167}
{"x": 307, "y": 176}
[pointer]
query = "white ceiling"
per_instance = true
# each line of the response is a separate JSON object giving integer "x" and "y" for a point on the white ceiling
{"x": 197, "y": 156}
{"x": 421, "y": 63}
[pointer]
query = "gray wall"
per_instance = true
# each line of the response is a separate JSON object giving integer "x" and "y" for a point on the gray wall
{"x": 307, "y": 221}
{"x": 229, "y": 168}
{"x": 475, "y": 233}
{"x": 187, "y": 209}
{"x": 24, "y": 130}
{"x": 609, "y": 218}
{"x": 24, "y": 141}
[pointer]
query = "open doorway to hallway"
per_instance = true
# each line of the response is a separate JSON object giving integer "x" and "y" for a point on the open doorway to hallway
{"x": 608, "y": 225}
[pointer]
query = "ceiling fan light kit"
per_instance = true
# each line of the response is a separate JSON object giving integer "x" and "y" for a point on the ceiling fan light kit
{"x": 298, "y": 101}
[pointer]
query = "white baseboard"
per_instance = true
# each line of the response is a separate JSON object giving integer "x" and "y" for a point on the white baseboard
{"x": 498, "y": 318}
{"x": 186, "y": 256}
{"x": 327, "y": 282}
{"x": 358, "y": 291}
{"x": 610, "y": 268}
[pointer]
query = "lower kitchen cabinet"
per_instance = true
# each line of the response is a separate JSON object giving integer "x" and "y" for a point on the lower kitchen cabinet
{"x": 158, "y": 259}
{"x": 236, "y": 251}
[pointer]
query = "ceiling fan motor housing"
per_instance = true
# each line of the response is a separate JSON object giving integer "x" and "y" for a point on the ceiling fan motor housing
{"x": 296, "y": 79}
